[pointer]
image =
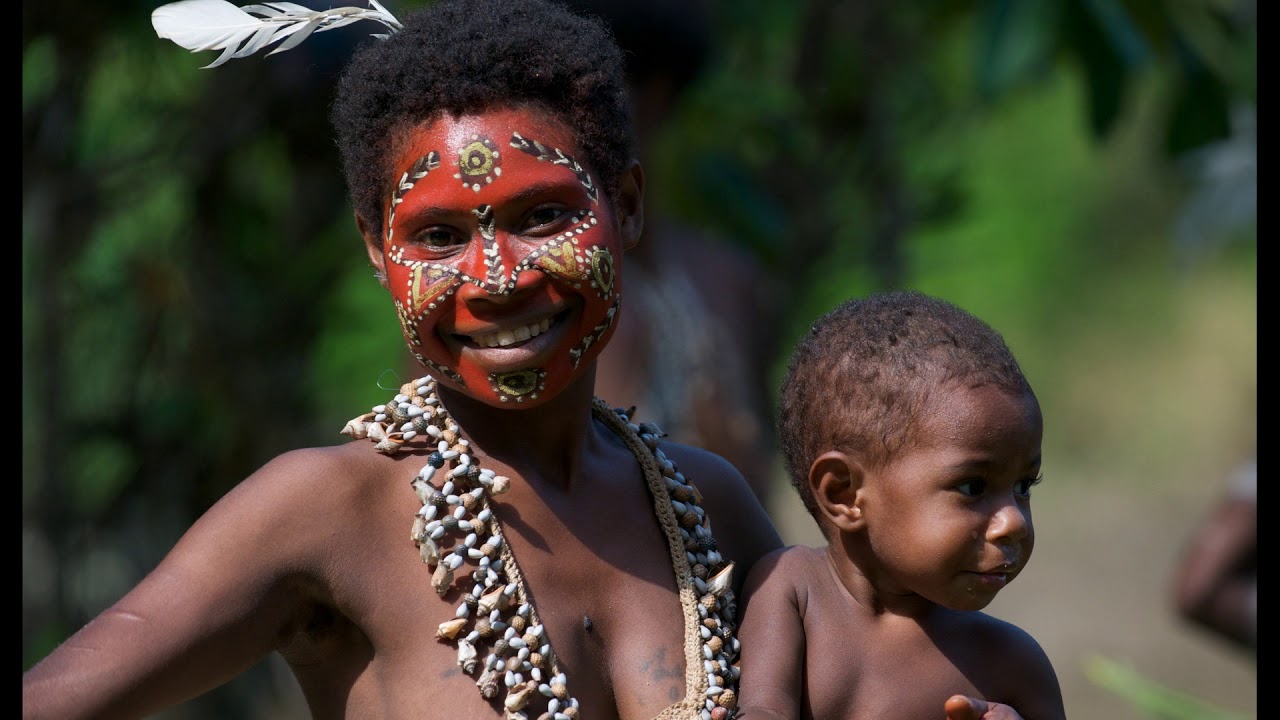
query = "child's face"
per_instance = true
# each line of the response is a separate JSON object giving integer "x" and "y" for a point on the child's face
{"x": 949, "y": 516}
{"x": 500, "y": 254}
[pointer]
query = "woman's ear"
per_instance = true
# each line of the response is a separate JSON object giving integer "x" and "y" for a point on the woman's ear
{"x": 630, "y": 205}
{"x": 373, "y": 246}
{"x": 835, "y": 479}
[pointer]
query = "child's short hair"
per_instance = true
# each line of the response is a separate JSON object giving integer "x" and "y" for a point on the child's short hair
{"x": 468, "y": 56}
{"x": 862, "y": 374}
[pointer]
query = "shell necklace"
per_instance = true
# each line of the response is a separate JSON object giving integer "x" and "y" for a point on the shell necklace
{"x": 496, "y": 628}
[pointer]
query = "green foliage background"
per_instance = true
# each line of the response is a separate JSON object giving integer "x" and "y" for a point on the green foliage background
{"x": 1080, "y": 173}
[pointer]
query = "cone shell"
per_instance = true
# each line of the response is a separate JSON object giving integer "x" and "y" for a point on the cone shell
{"x": 490, "y": 601}
{"x": 429, "y": 550}
{"x": 442, "y": 578}
{"x": 449, "y": 629}
{"x": 719, "y": 584}
{"x": 466, "y": 656}
{"x": 519, "y": 696}
{"x": 356, "y": 427}
{"x": 488, "y": 683}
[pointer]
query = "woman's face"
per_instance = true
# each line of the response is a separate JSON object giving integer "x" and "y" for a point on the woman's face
{"x": 501, "y": 255}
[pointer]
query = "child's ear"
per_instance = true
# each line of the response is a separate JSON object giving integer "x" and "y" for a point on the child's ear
{"x": 835, "y": 479}
{"x": 373, "y": 246}
{"x": 630, "y": 205}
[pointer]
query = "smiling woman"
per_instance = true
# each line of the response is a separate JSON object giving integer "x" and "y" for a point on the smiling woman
{"x": 571, "y": 568}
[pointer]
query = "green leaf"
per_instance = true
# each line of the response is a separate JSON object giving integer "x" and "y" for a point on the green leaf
{"x": 1015, "y": 39}
{"x": 1152, "y": 699}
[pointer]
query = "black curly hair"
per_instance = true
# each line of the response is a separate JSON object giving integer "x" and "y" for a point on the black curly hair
{"x": 859, "y": 379}
{"x": 467, "y": 56}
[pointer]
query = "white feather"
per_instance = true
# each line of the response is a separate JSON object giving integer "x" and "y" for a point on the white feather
{"x": 241, "y": 31}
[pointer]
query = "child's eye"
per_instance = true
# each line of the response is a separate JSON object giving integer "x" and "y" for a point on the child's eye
{"x": 543, "y": 217}
{"x": 1023, "y": 488}
{"x": 973, "y": 487}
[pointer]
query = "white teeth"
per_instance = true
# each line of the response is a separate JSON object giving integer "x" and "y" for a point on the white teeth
{"x": 504, "y": 338}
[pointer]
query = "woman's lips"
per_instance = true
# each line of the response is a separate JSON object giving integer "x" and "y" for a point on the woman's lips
{"x": 514, "y": 346}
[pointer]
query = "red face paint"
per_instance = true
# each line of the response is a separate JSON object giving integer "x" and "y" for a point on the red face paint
{"x": 500, "y": 257}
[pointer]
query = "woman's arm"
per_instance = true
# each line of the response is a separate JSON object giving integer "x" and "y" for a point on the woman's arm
{"x": 223, "y": 598}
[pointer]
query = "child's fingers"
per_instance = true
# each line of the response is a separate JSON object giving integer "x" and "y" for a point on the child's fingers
{"x": 961, "y": 707}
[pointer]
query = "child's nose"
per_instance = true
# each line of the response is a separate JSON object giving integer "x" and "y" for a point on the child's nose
{"x": 1011, "y": 522}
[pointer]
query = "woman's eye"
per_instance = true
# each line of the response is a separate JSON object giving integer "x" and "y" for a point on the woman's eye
{"x": 543, "y": 217}
{"x": 438, "y": 238}
{"x": 972, "y": 488}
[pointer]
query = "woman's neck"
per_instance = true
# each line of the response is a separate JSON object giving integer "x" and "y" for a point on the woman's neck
{"x": 548, "y": 442}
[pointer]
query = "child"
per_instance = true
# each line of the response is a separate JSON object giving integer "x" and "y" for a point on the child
{"x": 913, "y": 439}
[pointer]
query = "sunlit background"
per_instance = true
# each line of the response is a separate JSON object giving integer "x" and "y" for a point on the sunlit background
{"x": 1079, "y": 173}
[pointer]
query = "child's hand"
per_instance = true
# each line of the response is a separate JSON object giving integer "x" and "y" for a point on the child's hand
{"x": 960, "y": 707}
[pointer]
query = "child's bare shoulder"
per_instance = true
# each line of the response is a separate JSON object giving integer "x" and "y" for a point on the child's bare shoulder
{"x": 794, "y": 568}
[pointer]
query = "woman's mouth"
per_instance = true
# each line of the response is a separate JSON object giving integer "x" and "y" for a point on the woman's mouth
{"x": 505, "y": 338}
{"x": 513, "y": 337}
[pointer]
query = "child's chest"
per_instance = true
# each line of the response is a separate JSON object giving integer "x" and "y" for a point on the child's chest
{"x": 890, "y": 671}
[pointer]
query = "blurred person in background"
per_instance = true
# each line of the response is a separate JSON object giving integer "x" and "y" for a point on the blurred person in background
{"x": 699, "y": 331}
{"x": 1215, "y": 585}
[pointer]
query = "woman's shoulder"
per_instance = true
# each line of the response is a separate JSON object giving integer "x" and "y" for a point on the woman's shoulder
{"x": 739, "y": 522}
{"x": 316, "y": 477}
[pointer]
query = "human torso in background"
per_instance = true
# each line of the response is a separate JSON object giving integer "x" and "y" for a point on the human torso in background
{"x": 693, "y": 346}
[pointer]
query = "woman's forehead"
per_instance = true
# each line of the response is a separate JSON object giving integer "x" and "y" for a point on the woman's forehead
{"x": 451, "y": 136}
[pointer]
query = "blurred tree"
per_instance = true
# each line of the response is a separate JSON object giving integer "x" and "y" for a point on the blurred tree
{"x": 800, "y": 142}
{"x": 180, "y": 230}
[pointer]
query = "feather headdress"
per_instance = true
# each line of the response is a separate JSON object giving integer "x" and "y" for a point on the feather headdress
{"x": 241, "y": 31}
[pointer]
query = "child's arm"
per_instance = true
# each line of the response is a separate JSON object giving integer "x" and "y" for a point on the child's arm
{"x": 772, "y": 635}
{"x": 1028, "y": 684}
{"x": 223, "y": 598}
